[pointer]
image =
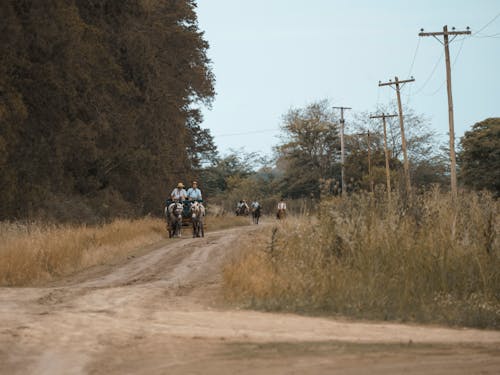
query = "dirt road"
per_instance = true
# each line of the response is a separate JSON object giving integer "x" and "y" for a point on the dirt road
{"x": 161, "y": 312}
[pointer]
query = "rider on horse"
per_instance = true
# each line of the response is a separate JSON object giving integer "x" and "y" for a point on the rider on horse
{"x": 280, "y": 214}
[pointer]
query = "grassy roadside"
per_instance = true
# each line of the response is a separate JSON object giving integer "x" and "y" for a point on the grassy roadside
{"x": 434, "y": 261}
{"x": 37, "y": 253}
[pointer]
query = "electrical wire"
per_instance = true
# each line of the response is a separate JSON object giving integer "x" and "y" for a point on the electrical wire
{"x": 419, "y": 90}
{"x": 494, "y": 36}
{"x": 487, "y": 24}
{"x": 414, "y": 58}
{"x": 410, "y": 71}
{"x": 452, "y": 65}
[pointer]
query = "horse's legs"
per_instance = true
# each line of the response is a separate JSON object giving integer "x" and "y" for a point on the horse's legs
{"x": 178, "y": 229}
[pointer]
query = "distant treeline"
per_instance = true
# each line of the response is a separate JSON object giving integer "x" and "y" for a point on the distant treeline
{"x": 98, "y": 113}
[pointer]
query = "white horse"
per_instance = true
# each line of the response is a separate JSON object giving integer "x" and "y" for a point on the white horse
{"x": 173, "y": 214}
{"x": 198, "y": 218}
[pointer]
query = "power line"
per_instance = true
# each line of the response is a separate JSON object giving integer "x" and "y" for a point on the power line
{"x": 452, "y": 65}
{"x": 487, "y": 24}
{"x": 410, "y": 71}
{"x": 430, "y": 75}
{"x": 414, "y": 58}
{"x": 494, "y": 36}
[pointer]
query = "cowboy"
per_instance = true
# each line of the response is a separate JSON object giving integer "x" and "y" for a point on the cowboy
{"x": 282, "y": 205}
{"x": 244, "y": 205}
{"x": 240, "y": 204}
{"x": 255, "y": 205}
{"x": 179, "y": 194}
{"x": 281, "y": 209}
{"x": 194, "y": 193}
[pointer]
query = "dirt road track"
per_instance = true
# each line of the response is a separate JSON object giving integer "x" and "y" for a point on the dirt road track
{"x": 161, "y": 313}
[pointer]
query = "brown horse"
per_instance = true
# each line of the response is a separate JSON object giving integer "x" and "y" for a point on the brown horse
{"x": 255, "y": 212}
{"x": 281, "y": 213}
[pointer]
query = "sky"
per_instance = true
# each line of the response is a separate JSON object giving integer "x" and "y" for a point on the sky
{"x": 269, "y": 56}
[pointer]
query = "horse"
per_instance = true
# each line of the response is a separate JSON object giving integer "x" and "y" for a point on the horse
{"x": 197, "y": 217}
{"x": 281, "y": 213}
{"x": 173, "y": 214}
{"x": 242, "y": 210}
{"x": 255, "y": 213}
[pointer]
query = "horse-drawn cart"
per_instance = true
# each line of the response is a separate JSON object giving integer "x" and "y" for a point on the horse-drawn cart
{"x": 185, "y": 213}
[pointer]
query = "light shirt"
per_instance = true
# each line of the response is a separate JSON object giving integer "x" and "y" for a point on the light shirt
{"x": 281, "y": 206}
{"x": 194, "y": 194}
{"x": 179, "y": 194}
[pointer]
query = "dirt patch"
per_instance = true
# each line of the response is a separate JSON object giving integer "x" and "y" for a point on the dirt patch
{"x": 160, "y": 312}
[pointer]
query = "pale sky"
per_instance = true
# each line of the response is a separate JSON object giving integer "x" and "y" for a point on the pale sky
{"x": 271, "y": 55}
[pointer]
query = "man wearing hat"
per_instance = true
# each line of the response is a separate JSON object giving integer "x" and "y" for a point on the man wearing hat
{"x": 194, "y": 193}
{"x": 179, "y": 194}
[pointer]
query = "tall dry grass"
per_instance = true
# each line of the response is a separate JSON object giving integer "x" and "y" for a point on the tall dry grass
{"x": 35, "y": 253}
{"x": 31, "y": 254}
{"x": 432, "y": 260}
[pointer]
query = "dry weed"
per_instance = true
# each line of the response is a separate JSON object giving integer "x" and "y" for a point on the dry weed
{"x": 428, "y": 260}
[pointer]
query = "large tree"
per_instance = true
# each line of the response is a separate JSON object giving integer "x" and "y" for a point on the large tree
{"x": 479, "y": 156}
{"x": 309, "y": 150}
{"x": 99, "y": 104}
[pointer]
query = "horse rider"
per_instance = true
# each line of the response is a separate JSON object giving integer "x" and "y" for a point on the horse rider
{"x": 194, "y": 193}
{"x": 179, "y": 193}
{"x": 281, "y": 207}
{"x": 242, "y": 204}
{"x": 255, "y": 205}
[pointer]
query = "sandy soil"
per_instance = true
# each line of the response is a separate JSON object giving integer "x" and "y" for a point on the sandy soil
{"x": 161, "y": 312}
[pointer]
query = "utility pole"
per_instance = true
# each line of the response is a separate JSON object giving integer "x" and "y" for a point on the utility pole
{"x": 383, "y": 116}
{"x": 369, "y": 163}
{"x": 446, "y": 42}
{"x": 398, "y": 85}
{"x": 342, "y": 122}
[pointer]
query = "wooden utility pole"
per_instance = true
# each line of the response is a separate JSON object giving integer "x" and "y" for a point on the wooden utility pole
{"x": 342, "y": 122}
{"x": 446, "y": 42}
{"x": 369, "y": 162}
{"x": 406, "y": 164}
{"x": 383, "y": 116}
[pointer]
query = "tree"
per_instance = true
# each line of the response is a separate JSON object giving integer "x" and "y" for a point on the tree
{"x": 219, "y": 177}
{"x": 479, "y": 156}
{"x": 310, "y": 149}
{"x": 99, "y": 104}
{"x": 428, "y": 163}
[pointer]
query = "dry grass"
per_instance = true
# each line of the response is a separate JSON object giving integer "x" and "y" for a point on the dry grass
{"x": 431, "y": 261}
{"x": 221, "y": 222}
{"x": 36, "y": 253}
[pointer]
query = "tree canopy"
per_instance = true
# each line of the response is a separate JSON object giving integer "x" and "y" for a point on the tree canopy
{"x": 98, "y": 105}
{"x": 310, "y": 149}
{"x": 479, "y": 157}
